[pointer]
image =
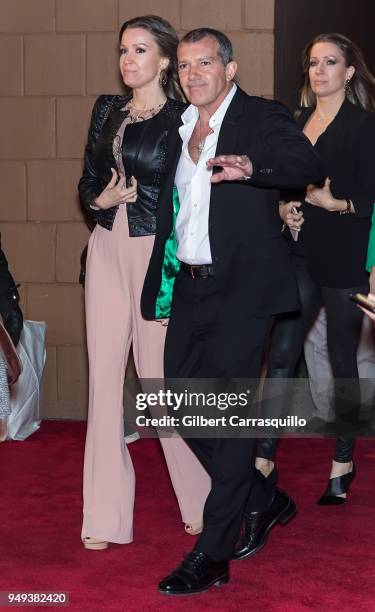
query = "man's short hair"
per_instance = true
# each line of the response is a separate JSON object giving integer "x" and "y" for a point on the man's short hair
{"x": 224, "y": 44}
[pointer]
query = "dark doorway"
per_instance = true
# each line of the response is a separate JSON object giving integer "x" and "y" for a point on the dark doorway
{"x": 298, "y": 21}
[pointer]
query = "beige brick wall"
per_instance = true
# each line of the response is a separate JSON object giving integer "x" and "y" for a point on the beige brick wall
{"x": 56, "y": 56}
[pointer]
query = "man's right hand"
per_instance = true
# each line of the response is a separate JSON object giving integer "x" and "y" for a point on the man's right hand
{"x": 294, "y": 220}
{"x": 116, "y": 192}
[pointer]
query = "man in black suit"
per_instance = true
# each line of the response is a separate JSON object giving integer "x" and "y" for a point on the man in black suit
{"x": 235, "y": 274}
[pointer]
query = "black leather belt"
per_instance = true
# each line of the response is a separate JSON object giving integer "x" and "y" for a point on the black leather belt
{"x": 199, "y": 271}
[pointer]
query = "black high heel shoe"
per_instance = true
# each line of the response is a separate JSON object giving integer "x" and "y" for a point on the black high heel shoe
{"x": 337, "y": 486}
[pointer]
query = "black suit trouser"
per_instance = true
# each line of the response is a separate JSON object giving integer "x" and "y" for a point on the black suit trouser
{"x": 203, "y": 343}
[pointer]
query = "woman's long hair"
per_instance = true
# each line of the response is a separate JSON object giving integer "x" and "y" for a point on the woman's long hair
{"x": 167, "y": 42}
{"x": 360, "y": 90}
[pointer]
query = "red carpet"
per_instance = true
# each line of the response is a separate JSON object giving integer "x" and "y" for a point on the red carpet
{"x": 323, "y": 560}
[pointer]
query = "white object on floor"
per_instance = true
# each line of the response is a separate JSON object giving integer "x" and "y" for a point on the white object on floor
{"x": 25, "y": 399}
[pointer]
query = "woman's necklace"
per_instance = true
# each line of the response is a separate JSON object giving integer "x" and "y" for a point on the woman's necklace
{"x": 321, "y": 119}
{"x": 141, "y": 115}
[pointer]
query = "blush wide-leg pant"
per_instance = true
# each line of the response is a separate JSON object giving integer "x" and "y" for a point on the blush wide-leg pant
{"x": 116, "y": 268}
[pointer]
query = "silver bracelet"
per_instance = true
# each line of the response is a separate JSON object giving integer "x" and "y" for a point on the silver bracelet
{"x": 348, "y": 209}
{"x": 93, "y": 206}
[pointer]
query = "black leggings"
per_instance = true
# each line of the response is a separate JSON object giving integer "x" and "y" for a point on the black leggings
{"x": 344, "y": 321}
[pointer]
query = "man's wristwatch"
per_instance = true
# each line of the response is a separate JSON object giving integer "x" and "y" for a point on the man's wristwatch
{"x": 245, "y": 177}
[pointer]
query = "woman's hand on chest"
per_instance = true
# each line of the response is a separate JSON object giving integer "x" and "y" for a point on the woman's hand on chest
{"x": 116, "y": 192}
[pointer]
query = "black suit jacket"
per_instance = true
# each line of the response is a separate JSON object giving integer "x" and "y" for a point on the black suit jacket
{"x": 336, "y": 245}
{"x": 251, "y": 260}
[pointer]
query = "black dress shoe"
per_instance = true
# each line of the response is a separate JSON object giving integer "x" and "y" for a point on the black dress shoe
{"x": 196, "y": 574}
{"x": 337, "y": 486}
{"x": 257, "y": 525}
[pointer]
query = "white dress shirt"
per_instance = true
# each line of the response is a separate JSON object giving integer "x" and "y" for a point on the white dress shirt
{"x": 194, "y": 187}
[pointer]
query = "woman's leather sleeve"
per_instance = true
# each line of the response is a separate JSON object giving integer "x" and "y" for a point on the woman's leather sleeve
{"x": 89, "y": 186}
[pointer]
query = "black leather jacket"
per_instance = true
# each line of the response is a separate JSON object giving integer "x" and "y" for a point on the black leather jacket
{"x": 144, "y": 151}
{"x": 10, "y": 311}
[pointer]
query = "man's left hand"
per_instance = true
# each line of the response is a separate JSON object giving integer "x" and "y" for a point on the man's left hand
{"x": 234, "y": 168}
